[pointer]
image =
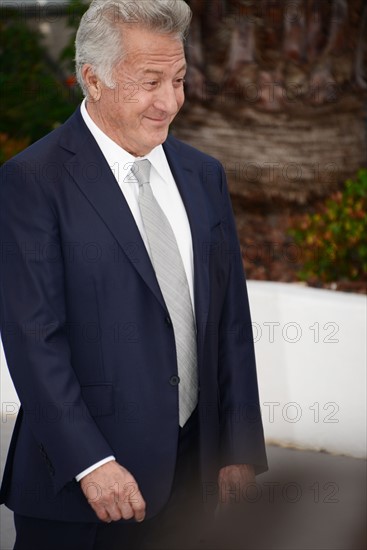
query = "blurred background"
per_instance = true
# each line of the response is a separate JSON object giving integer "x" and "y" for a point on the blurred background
{"x": 277, "y": 91}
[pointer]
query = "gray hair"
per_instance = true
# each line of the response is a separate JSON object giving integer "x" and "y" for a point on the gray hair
{"x": 98, "y": 40}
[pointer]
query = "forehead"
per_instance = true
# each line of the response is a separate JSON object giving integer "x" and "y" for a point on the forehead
{"x": 145, "y": 48}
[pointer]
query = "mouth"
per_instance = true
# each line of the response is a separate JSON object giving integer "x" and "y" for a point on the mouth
{"x": 160, "y": 121}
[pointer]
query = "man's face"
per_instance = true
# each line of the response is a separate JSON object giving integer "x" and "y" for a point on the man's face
{"x": 149, "y": 91}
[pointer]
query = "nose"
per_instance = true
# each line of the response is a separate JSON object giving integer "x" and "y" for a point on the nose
{"x": 167, "y": 99}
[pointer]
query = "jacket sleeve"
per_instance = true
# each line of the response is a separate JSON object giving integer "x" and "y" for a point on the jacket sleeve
{"x": 33, "y": 323}
{"x": 242, "y": 438}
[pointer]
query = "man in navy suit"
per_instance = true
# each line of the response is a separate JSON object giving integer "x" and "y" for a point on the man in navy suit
{"x": 109, "y": 437}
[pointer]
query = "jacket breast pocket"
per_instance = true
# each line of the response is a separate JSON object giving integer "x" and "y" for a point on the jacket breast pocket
{"x": 99, "y": 399}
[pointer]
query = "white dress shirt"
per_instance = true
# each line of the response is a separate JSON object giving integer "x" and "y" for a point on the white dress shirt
{"x": 163, "y": 186}
{"x": 165, "y": 192}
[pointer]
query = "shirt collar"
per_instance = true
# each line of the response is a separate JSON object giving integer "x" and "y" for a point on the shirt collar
{"x": 156, "y": 156}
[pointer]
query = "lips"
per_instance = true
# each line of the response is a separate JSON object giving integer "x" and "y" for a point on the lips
{"x": 161, "y": 120}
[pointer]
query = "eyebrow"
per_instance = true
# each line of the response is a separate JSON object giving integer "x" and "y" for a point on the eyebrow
{"x": 154, "y": 71}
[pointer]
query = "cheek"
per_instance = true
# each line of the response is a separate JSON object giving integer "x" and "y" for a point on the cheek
{"x": 144, "y": 106}
{"x": 130, "y": 114}
{"x": 110, "y": 107}
{"x": 181, "y": 98}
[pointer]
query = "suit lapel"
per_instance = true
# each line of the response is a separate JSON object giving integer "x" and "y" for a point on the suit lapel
{"x": 107, "y": 199}
{"x": 192, "y": 193}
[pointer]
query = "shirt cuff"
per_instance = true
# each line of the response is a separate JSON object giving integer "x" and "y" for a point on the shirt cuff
{"x": 94, "y": 467}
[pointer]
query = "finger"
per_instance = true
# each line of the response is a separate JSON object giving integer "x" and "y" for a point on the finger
{"x": 134, "y": 498}
{"x": 114, "y": 512}
{"x": 138, "y": 505}
{"x": 228, "y": 491}
{"x": 126, "y": 510}
{"x": 102, "y": 514}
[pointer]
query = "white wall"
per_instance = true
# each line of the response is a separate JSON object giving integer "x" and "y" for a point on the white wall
{"x": 312, "y": 380}
{"x": 8, "y": 396}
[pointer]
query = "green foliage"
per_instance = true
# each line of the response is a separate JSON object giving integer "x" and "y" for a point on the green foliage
{"x": 33, "y": 98}
{"x": 333, "y": 239}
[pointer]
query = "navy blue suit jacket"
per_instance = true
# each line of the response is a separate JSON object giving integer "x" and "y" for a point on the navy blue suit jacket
{"x": 87, "y": 335}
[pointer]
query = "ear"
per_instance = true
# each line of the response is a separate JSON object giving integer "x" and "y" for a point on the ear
{"x": 92, "y": 82}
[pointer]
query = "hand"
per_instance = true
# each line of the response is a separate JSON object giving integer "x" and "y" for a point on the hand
{"x": 113, "y": 493}
{"x": 232, "y": 481}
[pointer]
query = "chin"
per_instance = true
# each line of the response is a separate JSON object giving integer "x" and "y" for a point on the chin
{"x": 158, "y": 138}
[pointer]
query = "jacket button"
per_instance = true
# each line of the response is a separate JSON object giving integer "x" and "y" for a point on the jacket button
{"x": 168, "y": 321}
{"x": 174, "y": 380}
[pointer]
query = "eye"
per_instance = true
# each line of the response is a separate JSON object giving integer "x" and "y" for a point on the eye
{"x": 179, "y": 82}
{"x": 150, "y": 85}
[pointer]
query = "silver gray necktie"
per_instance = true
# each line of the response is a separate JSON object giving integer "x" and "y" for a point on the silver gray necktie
{"x": 171, "y": 276}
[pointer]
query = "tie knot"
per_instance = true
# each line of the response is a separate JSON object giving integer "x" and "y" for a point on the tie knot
{"x": 141, "y": 170}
